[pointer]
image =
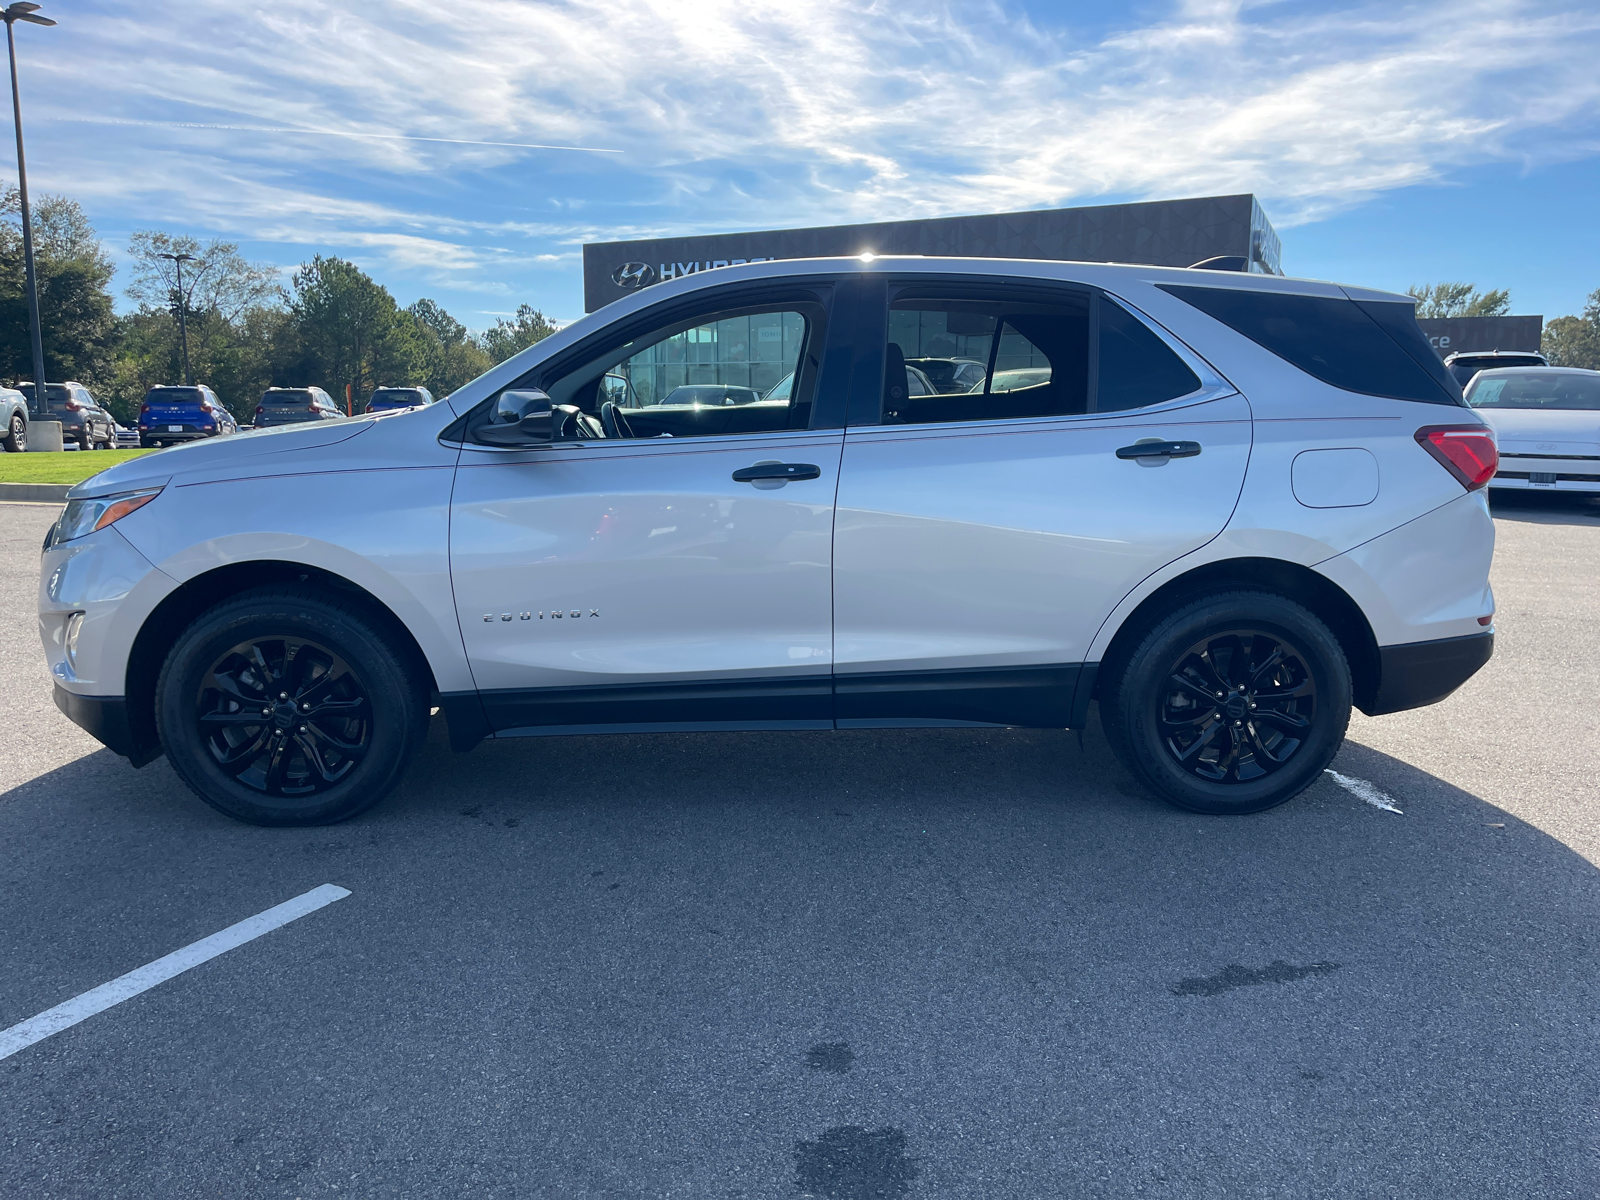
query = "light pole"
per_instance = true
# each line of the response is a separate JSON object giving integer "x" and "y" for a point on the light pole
{"x": 22, "y": 11}
{"x": 183, "y": 329}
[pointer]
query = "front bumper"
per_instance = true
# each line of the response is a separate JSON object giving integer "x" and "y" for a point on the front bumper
{"x": 106, "y": 719}
{"x": 1422, "y": 673}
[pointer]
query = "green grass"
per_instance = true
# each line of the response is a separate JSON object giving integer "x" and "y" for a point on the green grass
{"x": 70, "y": 466}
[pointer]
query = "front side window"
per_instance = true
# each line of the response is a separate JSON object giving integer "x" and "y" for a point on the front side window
{"x": 738, "y": 371}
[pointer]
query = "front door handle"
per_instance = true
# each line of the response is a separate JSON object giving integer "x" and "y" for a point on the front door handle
{"x": 1154, "y": 449}
{"x": 776, "y": 470}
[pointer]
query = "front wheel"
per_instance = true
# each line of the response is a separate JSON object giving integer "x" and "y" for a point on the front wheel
{"x": 283, "y": 706}
{"x": 1232, "y": 704}
{"x": 16, "y": 439}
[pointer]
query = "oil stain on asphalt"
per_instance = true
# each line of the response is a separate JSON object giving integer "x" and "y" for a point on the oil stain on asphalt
{"x": 1235, "y": 976}
{"x": 832, "y": 1057}
{"x": 850, "y": 1162}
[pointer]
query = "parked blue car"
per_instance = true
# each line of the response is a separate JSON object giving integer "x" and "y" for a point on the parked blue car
{"x": 182, "y": 414}
{"x": 386, "y": 399}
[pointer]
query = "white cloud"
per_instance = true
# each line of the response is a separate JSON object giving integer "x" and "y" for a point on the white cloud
{"x": 734, "y": 114}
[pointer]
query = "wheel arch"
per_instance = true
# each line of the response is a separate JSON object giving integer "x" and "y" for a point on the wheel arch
{"x": 1326, "y": 599}
{"x": 187, "y": 601}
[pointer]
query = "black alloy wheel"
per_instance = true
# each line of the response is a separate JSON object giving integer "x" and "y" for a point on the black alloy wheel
{"x": 16, "y": 439}
{"x": 285, "y": 716}
{"x": 1238, "y": 706}
{"x": 292, "y": 705}
{"x": 1232, "y": 703}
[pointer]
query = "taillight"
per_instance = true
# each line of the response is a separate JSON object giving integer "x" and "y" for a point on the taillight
{"x": 1467, "y": 451}
{"x": 260, "y": 409}
{"x": 144, "y": 408}
{"x": 311, "y": 408}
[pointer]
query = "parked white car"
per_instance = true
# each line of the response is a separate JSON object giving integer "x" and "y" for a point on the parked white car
{"x": 1241, "y": 506}
{"x": 1548, "y": 424}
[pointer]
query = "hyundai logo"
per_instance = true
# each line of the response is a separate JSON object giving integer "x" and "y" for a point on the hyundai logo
{"x": 634, "y": 275}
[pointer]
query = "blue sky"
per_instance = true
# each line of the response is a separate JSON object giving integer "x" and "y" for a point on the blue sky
{"x": 1390, "y": 143}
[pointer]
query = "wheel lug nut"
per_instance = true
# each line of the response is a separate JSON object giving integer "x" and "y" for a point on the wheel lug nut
{"x": 283, "y": 695}
{"x": 302, "y": 729}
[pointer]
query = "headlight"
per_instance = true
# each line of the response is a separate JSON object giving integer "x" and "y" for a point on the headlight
{"x": 85, "y": 516}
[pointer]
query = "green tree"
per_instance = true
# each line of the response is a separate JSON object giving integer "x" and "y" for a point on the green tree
{"x": 238, "y": 330}
{"x": 1459, "y": 300}
{"x": 506, "y": 338}
{"x": 216, "y": 279}
{"x": 1575, "y": 341}
{"x": 74, "y": 276}
{"x": 447, "y": 355}
{"x": 350, "y": 330}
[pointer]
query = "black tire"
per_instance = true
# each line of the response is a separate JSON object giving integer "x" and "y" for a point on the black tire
{"x": 1244, "y": 655}
{"x": 369, "y": 714}
{"x": 84, "y": 443}
{"x": 16, "y": 439}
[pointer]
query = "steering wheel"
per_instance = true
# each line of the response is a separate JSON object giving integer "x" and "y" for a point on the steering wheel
{"x": 612, "y": 420}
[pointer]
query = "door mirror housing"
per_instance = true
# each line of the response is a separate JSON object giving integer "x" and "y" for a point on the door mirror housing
{"x": 521, "y": 417}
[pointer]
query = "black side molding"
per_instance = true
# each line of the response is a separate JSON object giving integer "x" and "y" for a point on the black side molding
{"x": 106, "y": 719}
{"x": 1422, "y": 673}
{"x": 1028, "y": 697}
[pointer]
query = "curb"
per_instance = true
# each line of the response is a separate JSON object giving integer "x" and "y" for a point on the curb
{"x": 39, "y": 493}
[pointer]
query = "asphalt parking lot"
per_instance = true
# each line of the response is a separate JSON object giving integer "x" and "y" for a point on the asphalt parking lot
{"x": 863, "y": 964}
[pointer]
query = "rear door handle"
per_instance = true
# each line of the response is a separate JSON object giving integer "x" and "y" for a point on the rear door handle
{"x": 776, "y": 470}
{"x": 1160, "y": 450}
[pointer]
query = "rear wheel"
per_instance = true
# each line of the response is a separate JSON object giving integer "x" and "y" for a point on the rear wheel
{"x": 1232, "y": 704}
{"x": 283, "y": 706}
{"x": 16, "y": 439}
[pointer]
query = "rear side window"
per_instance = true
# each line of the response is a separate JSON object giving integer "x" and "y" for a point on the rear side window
{"x": 1361, "y": 346}
{"x": 988, "y": 358}
{"x": 1136, "y": 367}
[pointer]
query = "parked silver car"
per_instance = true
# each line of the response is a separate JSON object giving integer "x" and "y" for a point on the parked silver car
{"x": 1237, "y": 506}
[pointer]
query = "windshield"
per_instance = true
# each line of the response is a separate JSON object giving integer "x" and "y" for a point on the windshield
{"x": 1537, "y": 389}
{"x": 709, "y": 393}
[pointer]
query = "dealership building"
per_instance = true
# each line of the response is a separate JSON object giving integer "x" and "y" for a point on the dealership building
{"x": 1166, "y": 233}
{"x": 1226, "y": 232}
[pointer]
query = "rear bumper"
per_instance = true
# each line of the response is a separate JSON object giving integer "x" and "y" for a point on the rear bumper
{"x": 188, "y": 435}
{"x": 106, "y": 719}
{"x": 1422, "y": 673}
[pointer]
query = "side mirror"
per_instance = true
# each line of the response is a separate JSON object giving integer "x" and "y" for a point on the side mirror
{"x": 520, "y": 417}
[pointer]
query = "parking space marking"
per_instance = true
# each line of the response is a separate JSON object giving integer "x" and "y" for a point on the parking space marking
{"x": 96, "y": 1000}
{"x": 1361, "y": 789}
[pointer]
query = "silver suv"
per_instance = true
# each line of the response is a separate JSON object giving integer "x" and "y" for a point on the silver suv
{"x": 1224, "y": 508}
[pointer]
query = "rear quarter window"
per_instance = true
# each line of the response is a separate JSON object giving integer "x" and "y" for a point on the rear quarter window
{"x": 1375, "y": 348}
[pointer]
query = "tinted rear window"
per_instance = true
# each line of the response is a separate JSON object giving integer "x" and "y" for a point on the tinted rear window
{"x": 396, "y": 396}
{"x": 299, "y": 399}
{"x": 1375, "y": 348}
{"x": 173, "y": 395}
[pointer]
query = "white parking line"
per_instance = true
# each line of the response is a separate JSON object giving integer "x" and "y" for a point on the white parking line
{"x": 1370, "y": 792}
{"x": 96, "y": 1000}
